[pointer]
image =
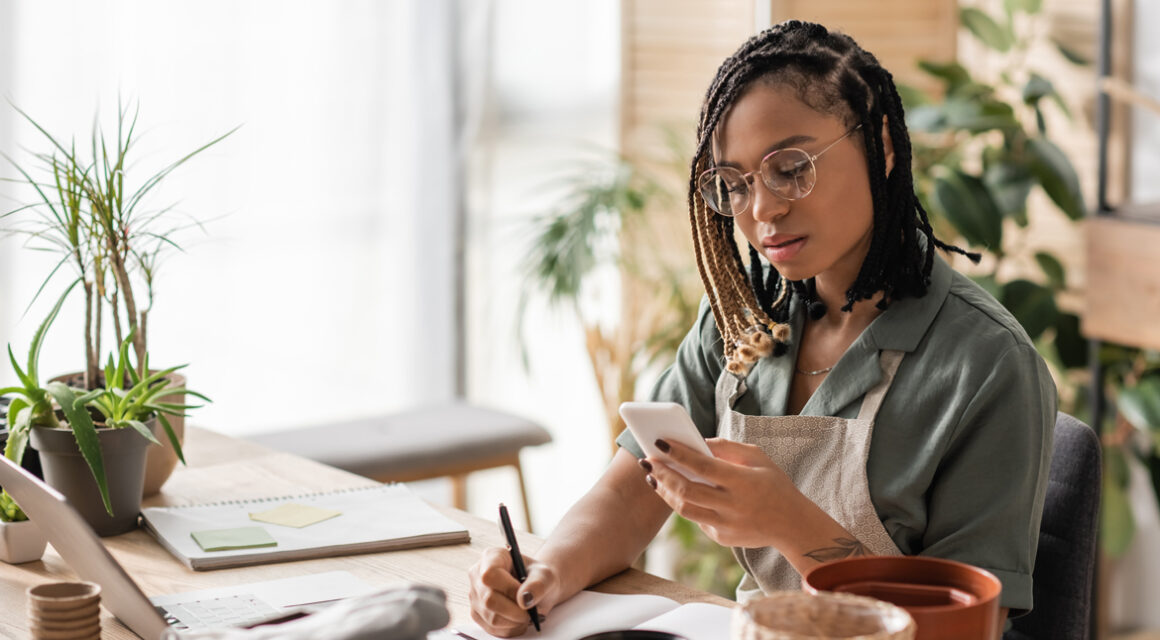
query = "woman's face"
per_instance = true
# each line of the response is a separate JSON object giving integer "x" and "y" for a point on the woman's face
{"x": 827, "y": 232}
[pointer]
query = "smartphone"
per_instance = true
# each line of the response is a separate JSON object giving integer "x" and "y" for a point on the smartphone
{"x": 668, "y": 421}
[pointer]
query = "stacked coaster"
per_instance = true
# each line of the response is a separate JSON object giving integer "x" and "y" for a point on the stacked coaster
{"x": 64, "y": 611}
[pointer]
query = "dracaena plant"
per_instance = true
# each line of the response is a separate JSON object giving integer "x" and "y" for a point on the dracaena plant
{"x": 107, "y": 232}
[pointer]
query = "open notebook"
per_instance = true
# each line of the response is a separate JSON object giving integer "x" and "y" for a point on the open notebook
{"x": 590, "y": 612}
{"x": 377, "y": 518}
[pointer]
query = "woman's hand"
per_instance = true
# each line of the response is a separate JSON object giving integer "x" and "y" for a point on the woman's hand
{"x": 499, "y": 603}
{"x": 751, "y": 503}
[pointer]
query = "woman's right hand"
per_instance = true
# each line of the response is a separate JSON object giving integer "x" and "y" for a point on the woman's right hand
{"x": 499, "y": 603}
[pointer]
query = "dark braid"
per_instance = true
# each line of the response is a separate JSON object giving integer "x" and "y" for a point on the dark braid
{"x": 833, "y": 75}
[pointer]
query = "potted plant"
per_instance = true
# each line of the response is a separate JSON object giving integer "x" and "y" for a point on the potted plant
{"x": 113, "y": 242}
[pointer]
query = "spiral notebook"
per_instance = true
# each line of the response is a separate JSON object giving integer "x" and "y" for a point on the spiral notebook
{"x": 378, "y": 518}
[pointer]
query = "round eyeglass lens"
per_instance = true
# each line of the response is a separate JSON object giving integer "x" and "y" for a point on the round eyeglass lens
{"x": 789, "y": 173}
{"x": 724, "y": 190}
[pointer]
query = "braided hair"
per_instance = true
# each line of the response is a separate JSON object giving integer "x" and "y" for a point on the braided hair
{"x": 833, "y": 75}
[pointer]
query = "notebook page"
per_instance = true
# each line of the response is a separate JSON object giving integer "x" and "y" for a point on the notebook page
{"x": 380, "y": 513}
{"x": 695, "y": 621}
{"x": 589, "y": 612}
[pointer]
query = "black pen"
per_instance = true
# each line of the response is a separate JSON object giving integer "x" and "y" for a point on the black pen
{"x": 517, "y": 558}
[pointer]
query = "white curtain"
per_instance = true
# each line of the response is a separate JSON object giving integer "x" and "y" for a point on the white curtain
{"x": 322, "y": 287}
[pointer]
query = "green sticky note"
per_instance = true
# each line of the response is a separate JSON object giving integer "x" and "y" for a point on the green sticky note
{"x": 294, "y": 515}
{"x": 240, "y": 538}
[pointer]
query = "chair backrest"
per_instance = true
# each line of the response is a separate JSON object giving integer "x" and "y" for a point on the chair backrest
{"x": 1065, "y": 562}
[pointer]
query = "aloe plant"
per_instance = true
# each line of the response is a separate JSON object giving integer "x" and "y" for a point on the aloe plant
{"x": 32, "y": 405}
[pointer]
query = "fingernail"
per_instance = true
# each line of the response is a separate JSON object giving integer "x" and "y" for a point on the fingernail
{"x": 662, "y": 445}
{"x": 652, "y": 482}
{"x": 644, "y": 464}
{"x": 527, "y": 599}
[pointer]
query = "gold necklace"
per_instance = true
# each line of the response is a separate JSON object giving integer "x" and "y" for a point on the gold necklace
{"x": 814, "y": 373}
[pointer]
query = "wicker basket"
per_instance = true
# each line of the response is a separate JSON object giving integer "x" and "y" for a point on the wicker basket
{"x": 796, "y": 615}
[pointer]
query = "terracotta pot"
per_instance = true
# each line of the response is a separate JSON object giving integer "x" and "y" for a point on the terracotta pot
{"x": 159, "y": 461}
{"x": 65, "y": 469}
{"x": 948, "y": 600}
{"x": 21, "y": 542}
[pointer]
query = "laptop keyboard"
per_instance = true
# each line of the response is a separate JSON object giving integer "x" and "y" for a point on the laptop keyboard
{"x": 230, "y": 611}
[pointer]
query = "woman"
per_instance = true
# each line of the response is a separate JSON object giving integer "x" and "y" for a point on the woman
{"x": 858, "y": 395}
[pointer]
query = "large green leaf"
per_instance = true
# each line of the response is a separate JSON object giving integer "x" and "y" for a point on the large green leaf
{"x": 965, "y": 201}
{"x": 1027, "y": 6}
{"x": 1053, "y": 269}
{"x": 1070, "y": 343}
{"x": 977, "y": 116}
{"x": 1010, "y": 184}
{"x": 85, "y": 433}
{"x": 1140, "y": 404}
{"x": 1033, "y": 305}
{"x": 983, "y": 27}
{"x": 1117, "y": 526}
{"x": 1057, "y": 175}
{"x": 1071, "y": 54}
{"x": 953, "y": 74}
{"x": 926, "y": 117}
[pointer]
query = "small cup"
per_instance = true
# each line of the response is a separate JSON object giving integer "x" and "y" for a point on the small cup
{"x": 64, "y": 611}
{"x": 796, "y": 615}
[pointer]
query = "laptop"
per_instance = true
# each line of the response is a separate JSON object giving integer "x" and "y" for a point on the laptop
{"x": 237, "y": 605}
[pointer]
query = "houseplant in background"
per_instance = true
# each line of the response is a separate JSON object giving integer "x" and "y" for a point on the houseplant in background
{"x": 979, "y": 153}
{"x": 113, "y": 241}
{"x": 599, "y": 230}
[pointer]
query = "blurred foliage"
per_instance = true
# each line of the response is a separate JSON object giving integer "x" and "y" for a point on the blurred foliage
{"x": 980, "y": 150}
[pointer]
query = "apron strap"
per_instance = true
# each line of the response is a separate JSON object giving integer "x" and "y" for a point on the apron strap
{"x": 889, "y": 361}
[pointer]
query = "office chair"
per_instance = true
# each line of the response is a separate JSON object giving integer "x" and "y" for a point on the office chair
{"x": 1065, "y": 563}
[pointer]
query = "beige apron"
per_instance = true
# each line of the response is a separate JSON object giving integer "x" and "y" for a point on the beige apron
{"x": 825, "y": 457}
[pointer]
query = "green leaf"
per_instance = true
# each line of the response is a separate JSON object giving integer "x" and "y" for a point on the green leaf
{"x": 1053, "y": 269}
{"x": 86, "y": 434}
{"x": 1010, "y": 184}
{"x": 911, "y": 96}
{"x": 983, "y": 27}
{"x": 1032, "y": 305}
{"x": 144, "y": 430}
{"x": 927, "y": 117}
{"x": 1117, "y": 525}
{"x": 1031, "y": 7}
{"x": 1070, "y": 344}
{"x": 967, "y": 204}
{"x": 953, "y": 74}
{"x": 1071, "y": 54}
{"x": 172, "y": 437}
{"x": 18, "y": 429}
{"x": 1057, "y": 176}
{"x": 1140, "y": 404}
{"x": 1036, "y": 88}
{"x": 38, "y": 339}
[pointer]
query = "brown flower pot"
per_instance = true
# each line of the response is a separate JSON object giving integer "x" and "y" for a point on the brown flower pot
{"x": 159, "y": 461}
{"x": 65, "y": 469}
{"x": 948, "y": 600}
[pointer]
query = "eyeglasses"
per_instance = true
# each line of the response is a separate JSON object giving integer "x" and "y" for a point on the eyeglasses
{"x": 790, "y": 173}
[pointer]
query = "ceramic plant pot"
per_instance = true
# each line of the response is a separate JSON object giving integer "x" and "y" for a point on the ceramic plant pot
{"x": 123, "y": 452}
{"x": 159, "y": 461}
{"x": 21, "y": 542}
{"x": 948, "y": 600}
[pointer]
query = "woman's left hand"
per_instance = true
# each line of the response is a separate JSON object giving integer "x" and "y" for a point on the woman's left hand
{"x": 751, "y": 502}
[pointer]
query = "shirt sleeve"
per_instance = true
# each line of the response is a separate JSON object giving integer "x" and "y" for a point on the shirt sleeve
{"x": 986, "y": 499}
{"x": 692, "y": 378}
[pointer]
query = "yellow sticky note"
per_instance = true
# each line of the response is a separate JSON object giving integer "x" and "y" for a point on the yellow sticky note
{"x": 227, "y": 539}
{"x": 294, "y": 515}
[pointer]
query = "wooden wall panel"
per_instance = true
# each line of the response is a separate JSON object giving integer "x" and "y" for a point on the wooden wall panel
{"x": 897, "y": 32}
{"x": 1123, "y": 292}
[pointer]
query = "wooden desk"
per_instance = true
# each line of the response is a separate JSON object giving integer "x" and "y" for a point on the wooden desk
{"x": 222, "y": 468}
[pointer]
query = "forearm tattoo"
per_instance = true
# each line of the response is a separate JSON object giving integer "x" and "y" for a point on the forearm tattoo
{"x": 843, "y": 548}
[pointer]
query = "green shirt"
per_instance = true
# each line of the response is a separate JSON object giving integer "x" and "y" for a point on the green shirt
{"x": 962, "y": 444}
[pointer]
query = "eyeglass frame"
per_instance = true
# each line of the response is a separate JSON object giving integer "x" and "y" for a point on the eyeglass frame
{"x": 747, "y": 177}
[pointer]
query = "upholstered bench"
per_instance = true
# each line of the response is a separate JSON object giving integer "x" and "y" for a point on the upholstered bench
{"x": 447, "y": 440}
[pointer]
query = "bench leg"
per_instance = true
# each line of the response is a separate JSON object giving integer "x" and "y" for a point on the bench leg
{"x": 459, "y": 491}
{"x": 524, "y": 494}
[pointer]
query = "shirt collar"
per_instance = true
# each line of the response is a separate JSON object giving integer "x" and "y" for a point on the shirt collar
{"x": 904, "y": 323}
